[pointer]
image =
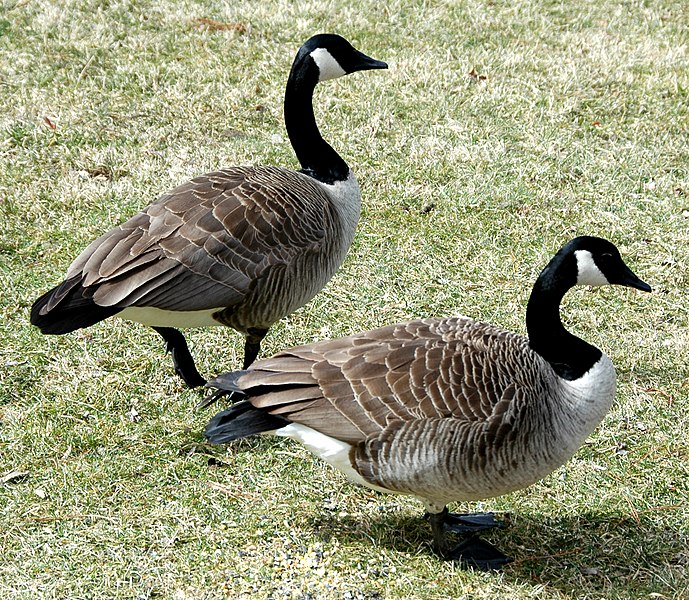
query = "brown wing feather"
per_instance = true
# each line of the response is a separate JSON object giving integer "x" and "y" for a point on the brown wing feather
{"x": 214, "y": 237}
{"x": 354, "y": 387}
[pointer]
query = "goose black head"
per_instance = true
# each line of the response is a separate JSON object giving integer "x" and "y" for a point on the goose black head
{"x": 585, "y": 260}
{"x": 333, "y": 56}
{"x": 597, "y": 261}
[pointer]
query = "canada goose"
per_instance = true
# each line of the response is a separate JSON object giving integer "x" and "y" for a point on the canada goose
{"x": 241, "y": 247}
{"x": 443, "y": 409}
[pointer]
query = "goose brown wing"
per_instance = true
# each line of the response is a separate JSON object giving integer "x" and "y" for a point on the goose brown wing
{"x": 355, "y": 387}
{"x": 205, "y": 244}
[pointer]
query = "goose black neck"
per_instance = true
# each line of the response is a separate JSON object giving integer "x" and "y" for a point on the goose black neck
{"x": 569, "y": 356}
{"x": 316, "y": 156}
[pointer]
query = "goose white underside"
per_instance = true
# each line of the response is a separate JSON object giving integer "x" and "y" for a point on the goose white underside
{"x": 334, "y": 452}
{"x": 157, "y": 317}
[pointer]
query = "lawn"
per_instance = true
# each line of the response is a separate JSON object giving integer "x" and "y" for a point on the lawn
{"x": 501, "y": 130}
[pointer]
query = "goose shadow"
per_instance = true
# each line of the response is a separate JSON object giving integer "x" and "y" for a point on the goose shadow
{"x": 619, "y": 556}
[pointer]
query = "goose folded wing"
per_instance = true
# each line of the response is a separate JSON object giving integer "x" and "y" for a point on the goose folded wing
{"x": 206, "y": 243}
{"x": 353, "y": 388}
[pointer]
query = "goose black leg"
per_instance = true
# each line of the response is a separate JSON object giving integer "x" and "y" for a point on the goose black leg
{"x": 252, "y": 346}
{"x": 473, "y": 551}
{"x": 181, "y": 357}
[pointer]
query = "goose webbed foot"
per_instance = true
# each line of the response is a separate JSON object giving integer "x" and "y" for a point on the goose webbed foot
{"x": 470, "y": 522}
{"x": 472, "y": 551}
{"x": 181, "y": 357}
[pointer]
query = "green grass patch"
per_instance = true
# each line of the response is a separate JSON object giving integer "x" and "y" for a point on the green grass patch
{"x": 501, "y": 130}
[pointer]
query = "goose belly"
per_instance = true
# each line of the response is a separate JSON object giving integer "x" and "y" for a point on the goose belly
{"x": 281, "y": 293}
{"x": 331, "y": 450}
{"x": 158, "y": 317}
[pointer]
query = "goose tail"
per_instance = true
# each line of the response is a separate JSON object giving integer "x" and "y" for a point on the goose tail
{"x": 241, "y": 420}
{"x": 68, "y": 307}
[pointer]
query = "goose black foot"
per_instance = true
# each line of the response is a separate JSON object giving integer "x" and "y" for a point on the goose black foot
{"x": 470, "y": 523}
{"x": 181, "y": 357}
{"x": 473, "y": 551}
{"x": 252, "y": 346}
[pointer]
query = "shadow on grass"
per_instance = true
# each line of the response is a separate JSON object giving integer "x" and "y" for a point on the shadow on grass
{"x": 581, "y": 556}
{"x": 618, "y": 556}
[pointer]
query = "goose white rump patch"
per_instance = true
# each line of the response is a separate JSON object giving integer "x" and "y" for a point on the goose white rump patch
{"x": 334, "y": 452}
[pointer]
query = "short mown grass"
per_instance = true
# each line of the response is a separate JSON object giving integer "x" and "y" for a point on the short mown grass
{"x": 501, "y": 130}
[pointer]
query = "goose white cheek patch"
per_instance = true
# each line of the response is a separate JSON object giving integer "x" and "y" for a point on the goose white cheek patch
{"x": 587, "y": 271}
{"x": 328, "y": 67}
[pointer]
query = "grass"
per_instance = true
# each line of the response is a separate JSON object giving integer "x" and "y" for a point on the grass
{"x": 501, "y": 130}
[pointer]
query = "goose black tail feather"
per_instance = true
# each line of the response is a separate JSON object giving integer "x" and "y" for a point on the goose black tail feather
{"x": 241, "y": 420}
{"x": 66, "y": 308}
